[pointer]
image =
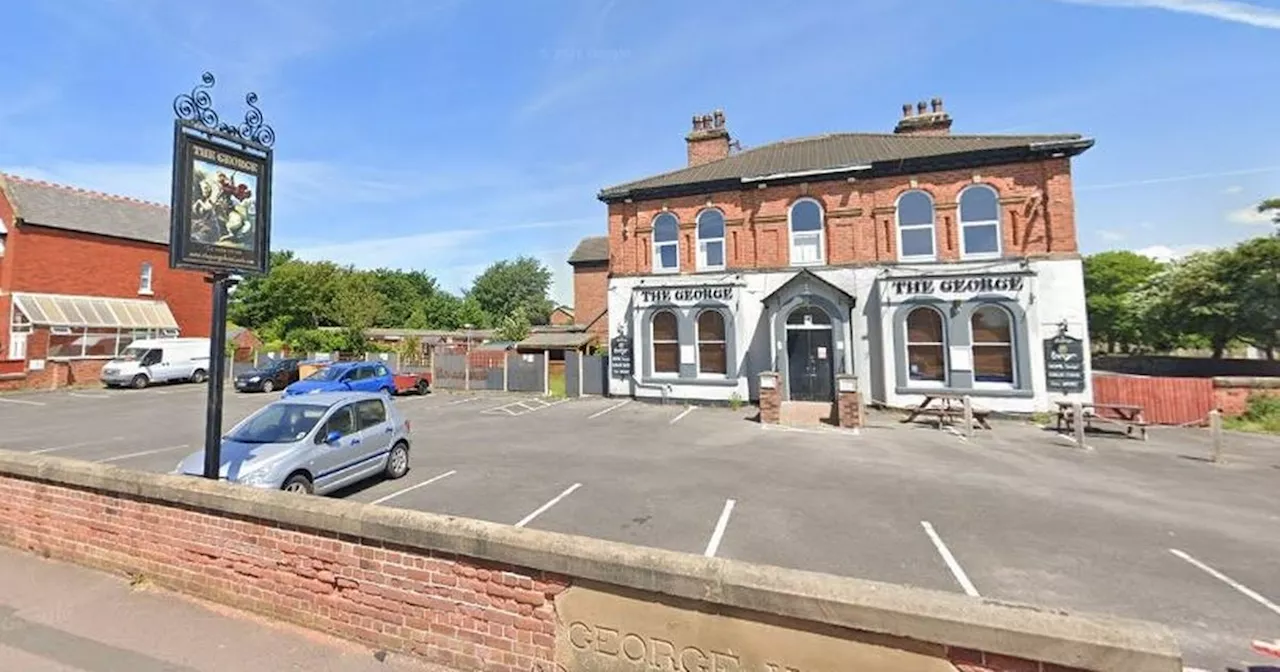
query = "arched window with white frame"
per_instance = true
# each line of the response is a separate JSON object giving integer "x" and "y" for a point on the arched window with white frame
{"x": 808, "y": 235}
{"x": 664, "y": 339}
{"x": 915, "y": 227}
{"x": 3, "y": 234}
{"x": 666, "y": 243}
{"x": 992, "y": 328}
{"x": 979, "y": 221}
{"x": 710, "y": 240}
{"x": 144, "y": 278}
{"x": 926, "y": 347}
{"x": 712, "y": 345}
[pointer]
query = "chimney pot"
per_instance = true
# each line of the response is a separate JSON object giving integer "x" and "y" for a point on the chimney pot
{"x": 921, "y": 107}
{"x": 937, "y": 105}
{"x": 906, "y": 110}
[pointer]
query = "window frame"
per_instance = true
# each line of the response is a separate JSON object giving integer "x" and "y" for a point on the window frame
{"x": 653, "y": 343}
{"x": 1011, "y": 346}
{"x": 932, "y": 226}
{"x": 657, "y": 246}
{"x": 324, "y": 427}
{"x": 945, "y": 345}
{"x": 997, "y": 223}
{"x": 703, "y": 241}
{"x": 698, "y": 341}
{"x": 821, "y": 233}
{"x": 146, "y": 279}
{"x": 360, "y": 417}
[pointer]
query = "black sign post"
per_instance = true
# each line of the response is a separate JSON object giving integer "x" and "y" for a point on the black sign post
{"x": 620, "y": 361}
{"x": 1064, "y": 363}
{"x": 220, "y": 218}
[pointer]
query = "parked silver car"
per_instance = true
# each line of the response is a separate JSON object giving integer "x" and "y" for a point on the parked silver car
{"x": 314, "y": 443}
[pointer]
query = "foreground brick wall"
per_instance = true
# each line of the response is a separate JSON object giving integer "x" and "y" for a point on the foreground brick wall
{"x": 1231, "y": 395}
{"x": 453, "y": 611}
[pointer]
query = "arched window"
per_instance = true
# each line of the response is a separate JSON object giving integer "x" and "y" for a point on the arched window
{"x": 665, "y": 339}
{"x": 979, "y": 222}
{"x": 666, "y": 243}
{"x": 926, "y": 346}
{"x": 144, "y": 278}
{"x": 992, "y": 345}
{"x": 808, "y": 242}
{"x": 710, "y": 240}
{"x": 712, "y": 357}
{"x": 3, "y": 231}
{"x": 808, "y": 316}
{"x": 915, "y": 226}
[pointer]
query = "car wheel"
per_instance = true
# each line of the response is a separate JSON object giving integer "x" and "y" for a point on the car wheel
{"x": 198, "y": 377}
{"x": 139, "y": 381}
{"x": 298, "y": 484}
{"x": 388, "y": 391}
{"x": 268, "y": 386}
{"x": 398, "y": 461}
{"x": 421, "y": 387}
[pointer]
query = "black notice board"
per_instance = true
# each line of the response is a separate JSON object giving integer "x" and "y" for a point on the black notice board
{"x": 1064, "y": 364}
{"x": 620, "y": 360}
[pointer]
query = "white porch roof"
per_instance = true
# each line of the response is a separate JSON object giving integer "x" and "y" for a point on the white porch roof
{"x": 57, "y": 310}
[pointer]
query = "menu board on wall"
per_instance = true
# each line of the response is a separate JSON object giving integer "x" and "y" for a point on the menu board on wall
{"x": 1064, "y": 364}
{"x": 620, "y": 356}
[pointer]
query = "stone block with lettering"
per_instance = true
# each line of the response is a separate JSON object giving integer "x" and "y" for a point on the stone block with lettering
{"x": 770, "y": 398}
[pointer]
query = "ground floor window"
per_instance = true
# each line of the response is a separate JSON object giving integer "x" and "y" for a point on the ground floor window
{"x": 90, "y": 343}
{"x": 711, "y": 343}
{"x": 992, "y": 345}
{"x": 926, "y": 346}
{"x": 665, "y": 338}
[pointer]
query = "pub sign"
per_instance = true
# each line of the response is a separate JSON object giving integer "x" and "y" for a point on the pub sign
{"x": 1064, "y": 364}
{"x": 620, "y": 356}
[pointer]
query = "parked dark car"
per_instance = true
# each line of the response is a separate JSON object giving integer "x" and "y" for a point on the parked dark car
{"x": 276, "y": 375}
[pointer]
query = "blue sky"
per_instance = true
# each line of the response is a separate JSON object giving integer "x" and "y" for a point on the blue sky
{"x": 446, "y": 134}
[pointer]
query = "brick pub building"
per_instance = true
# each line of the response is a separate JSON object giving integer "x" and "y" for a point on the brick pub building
{"x": 83, "y": 274}
{"x": 919, "y": 262}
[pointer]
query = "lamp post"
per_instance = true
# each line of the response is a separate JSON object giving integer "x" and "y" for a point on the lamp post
{"x": 467, "y": 358}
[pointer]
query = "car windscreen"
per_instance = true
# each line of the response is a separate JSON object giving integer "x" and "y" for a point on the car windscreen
{"x": 131, "y": 355}
{"x": 327, "y": 373}
{"x": 278, "y": 423}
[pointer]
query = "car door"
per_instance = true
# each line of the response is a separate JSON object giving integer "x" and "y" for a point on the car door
{"x": 376, "y": 432}
{"x": 383, "y": 378}
{"x": 157, "y": 366}
{"x": 334, "y": 460}
{"x": 365, "y": 381}
{"x": 289, "y": 375}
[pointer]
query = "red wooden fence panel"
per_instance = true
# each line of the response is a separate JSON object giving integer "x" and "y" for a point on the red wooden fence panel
{"x": 1165, "y": 401}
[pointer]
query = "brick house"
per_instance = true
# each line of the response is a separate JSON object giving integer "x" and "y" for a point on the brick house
{"x": 83, "y": 274}
{"x": 919, "y": 261}
{"x": 590, "y": 262}
{"x": 561, "y": 316}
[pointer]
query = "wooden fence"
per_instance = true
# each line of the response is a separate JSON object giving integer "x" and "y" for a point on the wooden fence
{"x": 1165, "y": 401}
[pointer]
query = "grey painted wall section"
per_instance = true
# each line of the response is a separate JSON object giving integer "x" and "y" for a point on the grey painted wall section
{"x": 956, "y": 322}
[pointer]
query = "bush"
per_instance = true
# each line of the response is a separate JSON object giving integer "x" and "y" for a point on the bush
{"x": 1261, "y": 414}
{"x": 735, "y": 401}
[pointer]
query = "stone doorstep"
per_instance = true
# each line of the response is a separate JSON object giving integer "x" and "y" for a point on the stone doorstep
{"x": 807, "y": 413}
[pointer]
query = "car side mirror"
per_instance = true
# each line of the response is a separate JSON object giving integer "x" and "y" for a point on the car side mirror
{"x": 332, "y": 437}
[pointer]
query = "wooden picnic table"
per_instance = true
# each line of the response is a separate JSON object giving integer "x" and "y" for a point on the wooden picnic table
{"x": 1127, "y": 416}
{"x": 950, "y": 406}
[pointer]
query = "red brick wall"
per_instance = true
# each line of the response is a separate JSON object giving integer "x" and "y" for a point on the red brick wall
{"x": 591, "y": 297}
{"x": 859, "y": 216}
{"x": 52, "y": 261}
{"x": 561, "y": 317}
{"x": 1233, "y": 400}
{"x": 454, "y": 611}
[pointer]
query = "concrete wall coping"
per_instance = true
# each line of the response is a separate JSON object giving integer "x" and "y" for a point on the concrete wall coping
{"x": 1255, "y": 382}
{"x": 1094, "y": 642}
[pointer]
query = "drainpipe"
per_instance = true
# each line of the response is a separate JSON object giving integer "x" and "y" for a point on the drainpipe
{"x": 665, "y": 389}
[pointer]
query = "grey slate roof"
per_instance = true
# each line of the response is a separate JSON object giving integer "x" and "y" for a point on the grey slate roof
{"x": 62, "y": 207}
{"x": 832, "y": 151}
{"x": 590, "y": 249}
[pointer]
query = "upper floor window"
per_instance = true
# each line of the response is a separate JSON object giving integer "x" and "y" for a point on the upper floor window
{"x": 666, "y": 243}
{"x": 710, "y": 240}
{"x": 665, "y": 337}
{"x": 808, "y": 240}
{"x": 915, "y": 227}
{"x": 3, "y": 231}
{"x": 144, "y": 278}
{"x": 711, "y": 343}
{"x": 979, "y": 222}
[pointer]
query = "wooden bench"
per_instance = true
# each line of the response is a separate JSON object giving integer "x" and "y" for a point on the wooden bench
{"x": 950, "y": 408}
{"x": 1126, "y": 416}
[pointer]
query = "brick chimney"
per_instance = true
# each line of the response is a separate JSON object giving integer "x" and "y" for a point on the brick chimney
{"x": 931, "y": 120}
{"x": 709, "y": 139}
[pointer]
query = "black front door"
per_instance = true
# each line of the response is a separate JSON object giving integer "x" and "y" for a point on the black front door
{"x": 810, "y": 364}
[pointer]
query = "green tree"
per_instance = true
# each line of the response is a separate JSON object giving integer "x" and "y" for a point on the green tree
{"x": 357, "y": 305}
{"x": 418, "y": 318}
{"x": 1195, "y": 297}
{"x": 295, "y": 294}
{"x": 471, "y": 312}
{"x": 1112, "y": 281}
{"x": 1272, "y": 205}
{"x": 514, "y": 327}
{"x": 1253, "y": 270}
{"x": 510, "y": 284}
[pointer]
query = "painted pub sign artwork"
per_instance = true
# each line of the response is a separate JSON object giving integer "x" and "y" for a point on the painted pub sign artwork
{"x": 1064, "y": 364}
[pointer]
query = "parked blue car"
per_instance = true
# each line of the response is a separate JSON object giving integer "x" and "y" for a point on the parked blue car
{"x": 346, "y": 377}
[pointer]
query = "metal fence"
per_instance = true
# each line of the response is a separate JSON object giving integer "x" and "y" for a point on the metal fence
{"x": 527, "y": 372}
{"x": 595, "y": 374}
{"x": 1164, "y": 401}
{"x": 572, "y": 373}
{"x": 451, "y": 371}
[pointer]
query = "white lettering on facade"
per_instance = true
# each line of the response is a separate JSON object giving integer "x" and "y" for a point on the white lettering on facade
{"x": 969, "y": 285}
{"x": 686, "y": 294}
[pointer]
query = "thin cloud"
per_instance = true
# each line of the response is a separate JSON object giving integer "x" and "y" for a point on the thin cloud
{"x": 1112, "y": 236}
{"x": 1234, "y": 189}
{"x": 1223, "y": 10}
{"x": 1248, "y": 215}
{"x": 1165, "y": 254}
{"x": 1178, "y": 178}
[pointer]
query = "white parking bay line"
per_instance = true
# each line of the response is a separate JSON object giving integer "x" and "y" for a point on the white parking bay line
{"x": 411, "y": 488}
{"x": 21, "y": 401}
{"x": 954, "y": 566}
{"x": 614, "y": 407}
{"x": 463, "y": 401}
{"x": 82, "y": 395}
{"x": 141, "y": 453}
{"x": 717, "y": 534}
{"x": 686, "y": 411}
{"x": 1243, "y": 589}
{"x": 542, "y": 509}
{"x": 76, "y": 445}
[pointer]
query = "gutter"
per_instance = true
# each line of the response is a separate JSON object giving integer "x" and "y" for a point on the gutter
{"x": 805, "y": 173}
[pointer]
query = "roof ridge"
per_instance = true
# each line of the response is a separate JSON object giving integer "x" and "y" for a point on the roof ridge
{"x": 81, "y": 190}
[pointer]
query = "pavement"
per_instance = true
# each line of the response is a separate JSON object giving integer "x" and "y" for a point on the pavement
{"x": 63, "y": 618}
{"x": 1148, "y": 530}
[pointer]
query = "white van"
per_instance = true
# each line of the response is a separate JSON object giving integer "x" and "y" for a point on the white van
{"x": 163, "y": 360}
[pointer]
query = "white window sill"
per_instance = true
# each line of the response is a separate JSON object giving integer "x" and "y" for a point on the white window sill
{"x": 972, "y": 256}
{"x": 819, "y": 262}
{"x": 705, "y": 269}
{"x": 917, "y": 260}
{"x": 665, "y": 271}
{"x": 146, "y": 292}
{"x": 994, "y": 386}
